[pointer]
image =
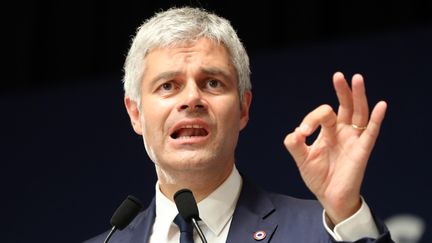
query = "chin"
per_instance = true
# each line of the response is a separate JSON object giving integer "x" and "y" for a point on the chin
{"x": 191, "y": 161}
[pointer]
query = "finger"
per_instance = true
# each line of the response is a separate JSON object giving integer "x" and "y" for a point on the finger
{"x": 296, "y": 146}
{"x": 344, "y": 96}
{"x": 369, "y": 136}
{"x": 360, "y": 115}
{"x": 323, "y": 116}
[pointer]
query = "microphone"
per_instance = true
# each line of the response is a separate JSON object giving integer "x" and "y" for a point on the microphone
{"x": 124, "y": 214}
{"x": 188, "y": 209}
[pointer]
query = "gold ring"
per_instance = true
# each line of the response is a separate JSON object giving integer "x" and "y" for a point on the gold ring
{"x": 361, "y": 128}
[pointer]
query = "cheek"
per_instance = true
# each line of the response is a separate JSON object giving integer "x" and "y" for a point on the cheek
{"x": 230, "y": 113}
{"x": 154, "y": 120}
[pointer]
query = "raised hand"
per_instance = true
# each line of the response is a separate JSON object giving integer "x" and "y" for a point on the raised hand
{"x": 333, "y": 165}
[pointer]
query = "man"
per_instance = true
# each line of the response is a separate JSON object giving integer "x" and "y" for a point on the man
{"x": 188, "y": 93}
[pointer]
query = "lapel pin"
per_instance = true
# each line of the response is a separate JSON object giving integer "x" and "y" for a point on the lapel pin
{"x": 259, "y": 235}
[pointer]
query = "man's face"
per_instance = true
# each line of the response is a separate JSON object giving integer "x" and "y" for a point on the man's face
{"x": 190, "y": 115}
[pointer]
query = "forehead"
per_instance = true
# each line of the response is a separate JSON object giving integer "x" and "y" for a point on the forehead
{"x": 202, "y": 52}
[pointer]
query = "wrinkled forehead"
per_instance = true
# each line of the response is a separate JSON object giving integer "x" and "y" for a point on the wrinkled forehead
{"x": 213, "y": 50}
{"x": 185, "y": 43}
{"x": 202, "y": 54}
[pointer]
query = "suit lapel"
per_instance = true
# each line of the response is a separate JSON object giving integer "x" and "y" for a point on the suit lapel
{"x": 141, "y": 227}
{"x": 251, "y": 216}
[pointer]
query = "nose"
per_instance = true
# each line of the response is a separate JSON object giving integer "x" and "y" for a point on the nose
{"x": 192, "y": 99}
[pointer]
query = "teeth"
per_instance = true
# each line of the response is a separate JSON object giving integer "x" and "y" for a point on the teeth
{"x": 185, "y": 137}
{"x": 192, "y": 126}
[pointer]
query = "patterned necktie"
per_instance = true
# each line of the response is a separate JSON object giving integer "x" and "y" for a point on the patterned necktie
{"x": 186, "y": 229}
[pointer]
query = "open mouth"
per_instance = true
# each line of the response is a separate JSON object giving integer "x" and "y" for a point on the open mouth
{"x": 189, "y": 131}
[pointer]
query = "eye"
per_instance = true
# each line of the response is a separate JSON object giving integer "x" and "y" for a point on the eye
{"x": 167, "y": 86}
{"x": 213, "y": 83}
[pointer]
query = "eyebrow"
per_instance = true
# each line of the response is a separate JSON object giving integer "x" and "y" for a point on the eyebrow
{"x": 213, "y": 71}
{"x": 164, "y": 76}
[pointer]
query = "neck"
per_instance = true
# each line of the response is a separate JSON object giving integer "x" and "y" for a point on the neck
{"x": 201, "y": 183}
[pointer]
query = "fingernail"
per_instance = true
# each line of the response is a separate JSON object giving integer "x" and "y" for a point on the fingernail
{"x": 305, "y": 128}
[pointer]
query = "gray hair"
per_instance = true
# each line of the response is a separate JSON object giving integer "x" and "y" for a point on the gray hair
{"x": 179, "y": 25}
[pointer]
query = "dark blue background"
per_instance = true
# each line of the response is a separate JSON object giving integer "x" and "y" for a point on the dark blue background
{"x": 69, "y": 155}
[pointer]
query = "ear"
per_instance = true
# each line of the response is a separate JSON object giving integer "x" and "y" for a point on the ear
{"x": 245, "y": 105}
{"x": 134, "y": 114}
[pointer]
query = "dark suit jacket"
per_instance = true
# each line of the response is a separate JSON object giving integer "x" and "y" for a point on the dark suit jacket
{"x": 284, "y": 219}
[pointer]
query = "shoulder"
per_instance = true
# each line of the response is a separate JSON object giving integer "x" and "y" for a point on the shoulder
{"x": 264, "y": 202}
{"x": 98, "y": 238}
{"x": 120, "y": 235}
{"x": 295, "y": 209}
{"x": 139, "y": 228}
{"x": 301, "y": 219}
{"x": 257, "y": 197}
{"x": 285, "y": 202}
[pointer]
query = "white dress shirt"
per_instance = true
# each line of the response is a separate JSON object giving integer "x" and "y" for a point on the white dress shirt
{"x": 217, "y": 209}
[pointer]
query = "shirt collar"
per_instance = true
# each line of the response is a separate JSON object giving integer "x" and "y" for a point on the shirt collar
{"x": 215, "y": 210}
{"x": 166, "y": 210}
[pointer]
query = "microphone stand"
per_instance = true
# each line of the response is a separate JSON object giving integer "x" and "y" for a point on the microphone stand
{"x": 198, "y": 229}
{"x": 113, "y": 229}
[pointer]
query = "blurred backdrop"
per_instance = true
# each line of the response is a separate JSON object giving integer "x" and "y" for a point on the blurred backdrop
{"x": 68, "y": 153}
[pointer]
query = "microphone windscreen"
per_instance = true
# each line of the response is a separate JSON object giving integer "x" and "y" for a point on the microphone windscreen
{"x": 186, "y": 204}
{"x": 126, "y": 212}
